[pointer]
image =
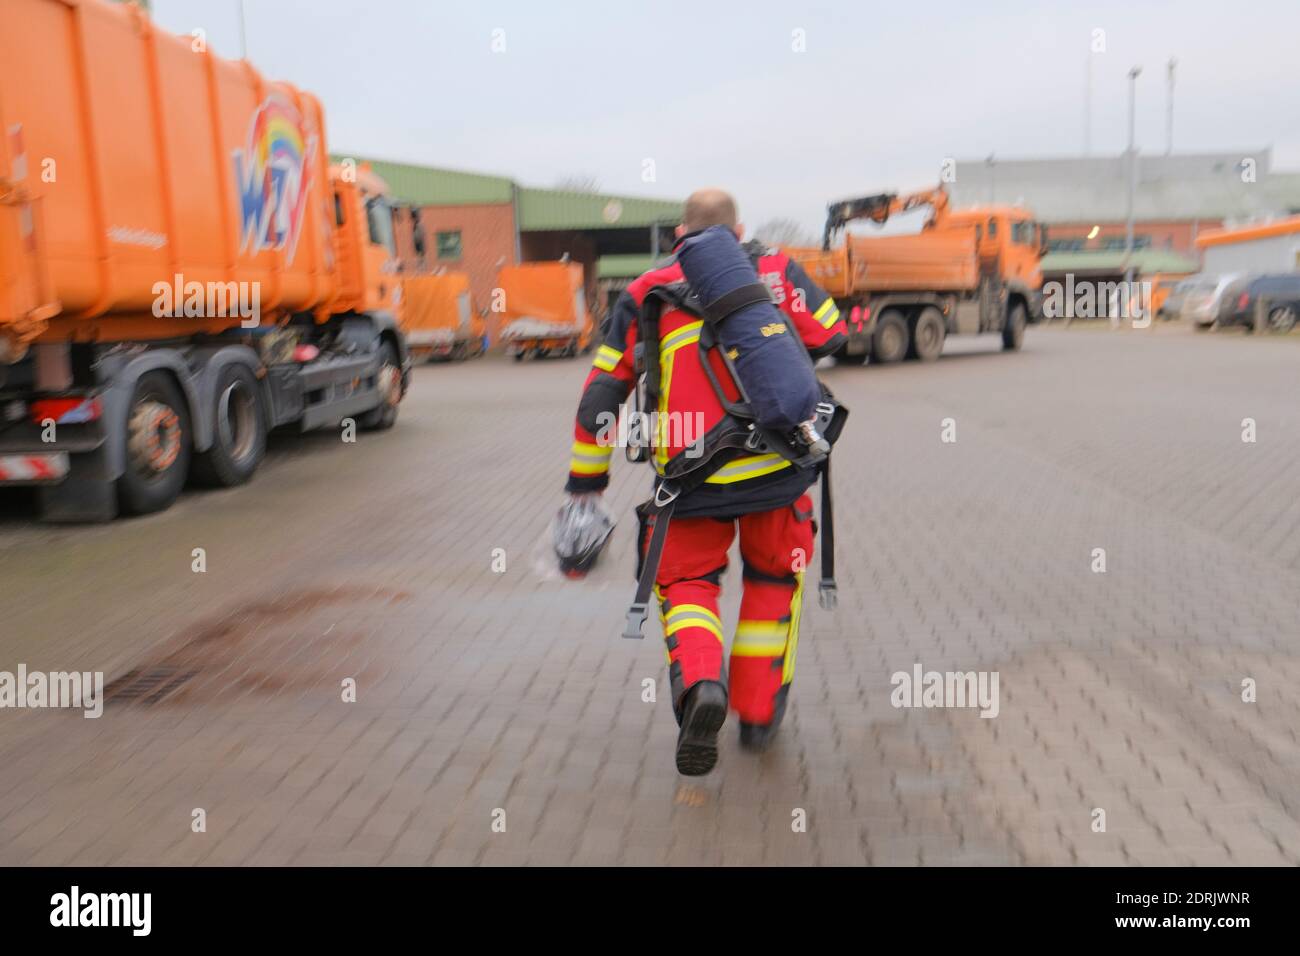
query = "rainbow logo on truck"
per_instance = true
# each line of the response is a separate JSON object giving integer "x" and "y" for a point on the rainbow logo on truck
{"x": 273, "y": 178}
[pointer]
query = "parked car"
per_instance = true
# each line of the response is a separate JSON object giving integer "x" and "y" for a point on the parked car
{"x": 1163, "y": 285}
{"x": 1276, "y": 297}
{"x": 1198, "y": 298}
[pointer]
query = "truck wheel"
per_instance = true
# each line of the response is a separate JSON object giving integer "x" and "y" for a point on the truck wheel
{"x": 158, "y": 446}
{"x": 927, "y": 335}
{"x": 384, "y": 416}
{"x": 238, "y": 434}
{"x": 889, "y": 343}
{"x": 1013, "y": 331}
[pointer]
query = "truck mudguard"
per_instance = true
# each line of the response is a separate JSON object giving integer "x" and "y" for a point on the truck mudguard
{"x": 771, "y": 363}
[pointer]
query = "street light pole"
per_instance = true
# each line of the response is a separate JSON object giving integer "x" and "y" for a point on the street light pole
{"x": 243, "y": 39}
{"x": 1169, "y": 108}
{"x": 1087, "y": 108}
{"x": 1132, "y": 175}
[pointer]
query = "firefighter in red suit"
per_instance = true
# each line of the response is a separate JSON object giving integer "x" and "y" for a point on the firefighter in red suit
{"x": 762, "y": 495}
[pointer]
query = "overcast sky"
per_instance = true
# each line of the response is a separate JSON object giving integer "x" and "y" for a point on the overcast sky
{"x": 716, "y": 93}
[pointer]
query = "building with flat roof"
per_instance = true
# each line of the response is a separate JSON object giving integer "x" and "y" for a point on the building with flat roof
{"x": 1083, "y": 201}
{"x": 1266, "y": 247}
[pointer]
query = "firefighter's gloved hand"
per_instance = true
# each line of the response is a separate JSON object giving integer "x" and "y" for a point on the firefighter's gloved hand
{"x": 579, "y": 532}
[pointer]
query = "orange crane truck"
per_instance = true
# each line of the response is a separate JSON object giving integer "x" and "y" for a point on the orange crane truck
{"x": 181, "y": 269}
{"x": 968, "y": 271}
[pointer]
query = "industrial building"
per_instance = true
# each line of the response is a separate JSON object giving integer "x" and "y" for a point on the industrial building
{"x": 1177, "y": 198}
{"x": 1267, "y": 247}
{"x": 476, "y": 223}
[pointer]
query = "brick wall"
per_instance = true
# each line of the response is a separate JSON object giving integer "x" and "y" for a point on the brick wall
{"x": 487, "y": 241}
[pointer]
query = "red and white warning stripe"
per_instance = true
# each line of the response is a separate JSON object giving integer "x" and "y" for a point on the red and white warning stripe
{"x": 28, "y": 469}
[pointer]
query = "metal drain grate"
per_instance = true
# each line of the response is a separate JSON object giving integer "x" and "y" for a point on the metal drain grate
{"x": 147, "y": 687}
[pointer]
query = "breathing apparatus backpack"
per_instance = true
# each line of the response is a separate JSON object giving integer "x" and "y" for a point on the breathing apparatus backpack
{"x": 782, "y": 408}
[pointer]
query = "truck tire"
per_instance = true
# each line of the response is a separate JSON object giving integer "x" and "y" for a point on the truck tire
{"x": 238, "y": 432}
{"x": 1013, "y": 330}
{"x": 927, "y": 335}
{"x": 890, "y": 341}
{"x": 384, "y": 416}
{"x": 158, "y": 446}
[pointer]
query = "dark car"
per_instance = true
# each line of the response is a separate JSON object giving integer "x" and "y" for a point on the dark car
{"x": 1274, "y": 297}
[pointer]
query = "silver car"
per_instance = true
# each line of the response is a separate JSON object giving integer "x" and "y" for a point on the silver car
{"x": 1199, "y": 298}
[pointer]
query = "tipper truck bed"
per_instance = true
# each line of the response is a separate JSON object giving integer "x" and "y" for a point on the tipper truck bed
{"x": 181, "y": 270}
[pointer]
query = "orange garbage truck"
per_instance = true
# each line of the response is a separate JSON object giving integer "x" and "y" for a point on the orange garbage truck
{"x": 181, "y": 269}
{"x": 438, "y": 317}
{"x": 967, "y": 271}
{"x": 544, "y": 309}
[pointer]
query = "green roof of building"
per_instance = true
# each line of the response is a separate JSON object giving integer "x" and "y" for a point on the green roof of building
{"x": 1110, "y": 260}
{"x": 438, "y": 187}
{"x": 541, "y": 209}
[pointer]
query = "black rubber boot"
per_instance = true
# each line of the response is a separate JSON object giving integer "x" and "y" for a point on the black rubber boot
{"x": 704, "y": 708}
{"x": 758, "y": 737}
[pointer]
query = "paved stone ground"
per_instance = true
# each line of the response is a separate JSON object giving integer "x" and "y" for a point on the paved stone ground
{"x": 481, "y": 692}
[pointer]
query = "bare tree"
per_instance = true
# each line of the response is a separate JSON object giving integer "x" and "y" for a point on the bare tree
{"x": 578, "y": 183}
{"x": 784, "y": 232}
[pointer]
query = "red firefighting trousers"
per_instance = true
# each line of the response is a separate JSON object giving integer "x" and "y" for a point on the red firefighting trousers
{"x": 775, "y": 546}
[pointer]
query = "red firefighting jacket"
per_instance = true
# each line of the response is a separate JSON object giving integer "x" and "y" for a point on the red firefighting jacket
{"x": 688, "y": 404}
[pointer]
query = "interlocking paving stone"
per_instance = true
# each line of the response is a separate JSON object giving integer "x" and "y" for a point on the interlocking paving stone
{"x": 480, "y": 692}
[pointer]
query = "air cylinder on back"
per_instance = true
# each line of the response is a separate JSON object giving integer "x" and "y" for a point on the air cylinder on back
{"x": 771, "y": 362}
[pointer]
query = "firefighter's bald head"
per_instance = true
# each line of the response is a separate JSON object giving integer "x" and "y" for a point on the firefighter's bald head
{"x": 709, "y": 207}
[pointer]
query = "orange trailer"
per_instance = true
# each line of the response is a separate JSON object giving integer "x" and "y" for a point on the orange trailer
{"x": 438, "y": 317}
{"x": 180, "y": 268}
{"x": 545, "y": 309}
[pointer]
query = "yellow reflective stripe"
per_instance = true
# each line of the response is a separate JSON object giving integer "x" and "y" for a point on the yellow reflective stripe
{"x": 692, "y": 615}
{"x": 688, "y": 333}
{"x": 607, "y": 358}
{"x": 586, "y": 448}
{"x": 660, "y": 598}
{"x": 661, "y": 420}
{"x": 749, "y": 467}
{"x": 831, "y": 319}
{"x": 760, "y": 638}
{"x": 589, "y": 459}
{"x": 681, "y": 610}
{"x": 792, "y": 642}
{"x": 824, "y": 308}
